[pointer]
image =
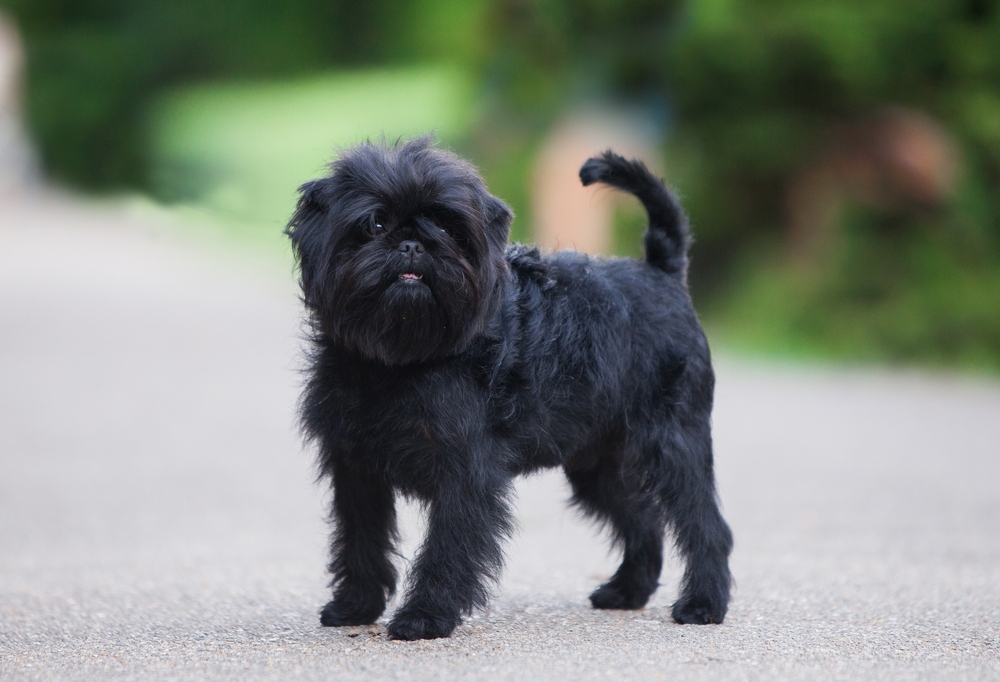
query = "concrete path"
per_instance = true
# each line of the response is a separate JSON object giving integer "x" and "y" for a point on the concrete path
{"x": 159, "y": 520}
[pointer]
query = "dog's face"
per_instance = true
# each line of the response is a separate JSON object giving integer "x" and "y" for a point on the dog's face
{"x": 401, "y": 251}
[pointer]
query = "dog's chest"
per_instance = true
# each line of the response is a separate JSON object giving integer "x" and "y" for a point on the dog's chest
{"x": 410, "y": 427}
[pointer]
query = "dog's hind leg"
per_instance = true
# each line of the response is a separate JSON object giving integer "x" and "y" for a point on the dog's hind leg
{"x": 702, "y": 535}
{"x": 621, "y": 499}
{"x": 364, "y": 517}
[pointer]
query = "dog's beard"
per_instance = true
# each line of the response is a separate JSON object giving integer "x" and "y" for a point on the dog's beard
{"x": 401, "y": 252}
{"x": 388, "y": 308}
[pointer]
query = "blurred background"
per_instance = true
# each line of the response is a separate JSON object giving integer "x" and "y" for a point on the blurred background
{"x": 840, "y": 159}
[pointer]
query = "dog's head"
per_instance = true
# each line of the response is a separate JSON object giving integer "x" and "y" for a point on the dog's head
{"x": 401, "y": 251}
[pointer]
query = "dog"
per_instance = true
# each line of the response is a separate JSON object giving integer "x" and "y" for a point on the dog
{"x": 445, "y": 362}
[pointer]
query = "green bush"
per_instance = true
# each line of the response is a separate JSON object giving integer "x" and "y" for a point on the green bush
{"x": 241, "y": 150}
{"x": 746, "y": 90}
{"x": 757, "y": 85}
{"x": 94, "y": 66}
{"x": 929, "y": 295}
{"x": 757, "y": 88}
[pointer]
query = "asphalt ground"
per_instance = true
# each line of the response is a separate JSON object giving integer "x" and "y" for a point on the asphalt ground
{"x": 159, "y": 518}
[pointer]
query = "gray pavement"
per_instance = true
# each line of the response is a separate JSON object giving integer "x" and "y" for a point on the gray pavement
{"x": 159, "y": 519}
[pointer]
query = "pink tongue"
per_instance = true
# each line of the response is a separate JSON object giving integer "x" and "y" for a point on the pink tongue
{"x": 409, "y": 275}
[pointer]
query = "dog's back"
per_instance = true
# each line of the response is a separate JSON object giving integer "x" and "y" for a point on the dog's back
{"x": 603, "y": 343}
{"x": 609, "y": 336}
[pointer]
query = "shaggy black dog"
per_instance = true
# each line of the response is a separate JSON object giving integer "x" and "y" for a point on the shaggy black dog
{"x": 446, "y": 362}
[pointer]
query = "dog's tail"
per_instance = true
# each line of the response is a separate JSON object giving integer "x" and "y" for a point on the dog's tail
{"x": 668, "y": 238}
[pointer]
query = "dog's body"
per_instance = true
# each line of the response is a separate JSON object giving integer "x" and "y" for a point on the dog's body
{"x": 446, "y": 363}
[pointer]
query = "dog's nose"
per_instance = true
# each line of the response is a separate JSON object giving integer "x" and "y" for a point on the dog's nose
{"x": 411, "y": 248}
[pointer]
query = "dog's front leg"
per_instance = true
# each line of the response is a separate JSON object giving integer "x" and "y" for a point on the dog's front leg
{"x": 462, "y": 554}
{"x": 364, "y": 517}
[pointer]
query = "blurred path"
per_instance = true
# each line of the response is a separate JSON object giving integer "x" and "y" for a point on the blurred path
{"x": 158, "y": 518}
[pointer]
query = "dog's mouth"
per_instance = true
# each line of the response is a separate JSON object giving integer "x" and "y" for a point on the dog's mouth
{"x": 410, "y": 277}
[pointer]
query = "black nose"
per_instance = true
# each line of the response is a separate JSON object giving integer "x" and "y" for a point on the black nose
{"x": 411, "y": 248}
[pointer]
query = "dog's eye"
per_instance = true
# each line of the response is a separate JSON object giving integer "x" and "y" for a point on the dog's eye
{"x": 376, "y": 228}
{"x": 434, "y": 219}
{"x": 442, "y": 218}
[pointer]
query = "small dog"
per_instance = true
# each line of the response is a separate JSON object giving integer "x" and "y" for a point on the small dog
{"x": 446, "y": 361}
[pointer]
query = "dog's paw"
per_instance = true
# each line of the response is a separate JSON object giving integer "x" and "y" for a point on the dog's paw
{"x": 697, "y": 611}
{"x": 412, "y": 624}
{"x": 351, "y": 612}
{"x": 612, "y": 596}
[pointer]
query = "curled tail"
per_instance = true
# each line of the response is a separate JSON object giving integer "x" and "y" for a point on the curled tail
{"x": 667, "y": 239}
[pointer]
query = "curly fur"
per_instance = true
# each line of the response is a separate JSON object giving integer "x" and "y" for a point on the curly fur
{"x": 446, "y": 362}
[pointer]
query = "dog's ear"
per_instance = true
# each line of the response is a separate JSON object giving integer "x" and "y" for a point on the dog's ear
{"x": 308, "y": 231}
{"x": 498, "y": 217}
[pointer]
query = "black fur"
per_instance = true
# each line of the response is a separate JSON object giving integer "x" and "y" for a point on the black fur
{"x": 446, "y": 362}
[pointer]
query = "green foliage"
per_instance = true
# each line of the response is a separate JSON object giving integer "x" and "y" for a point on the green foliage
{"x": 541, "y": 57}
{"x": 504, "y": 149}
{"x": 757, "y": 85}
{"x": 929, "y": 297}
{"x": 94, "y": 66}
{"x": 547, "y": 52}
{"x": 746, "y": 90}
{"x": 241, "y": 150}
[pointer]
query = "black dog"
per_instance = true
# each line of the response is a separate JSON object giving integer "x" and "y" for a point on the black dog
{"x": 446, "y": 362}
